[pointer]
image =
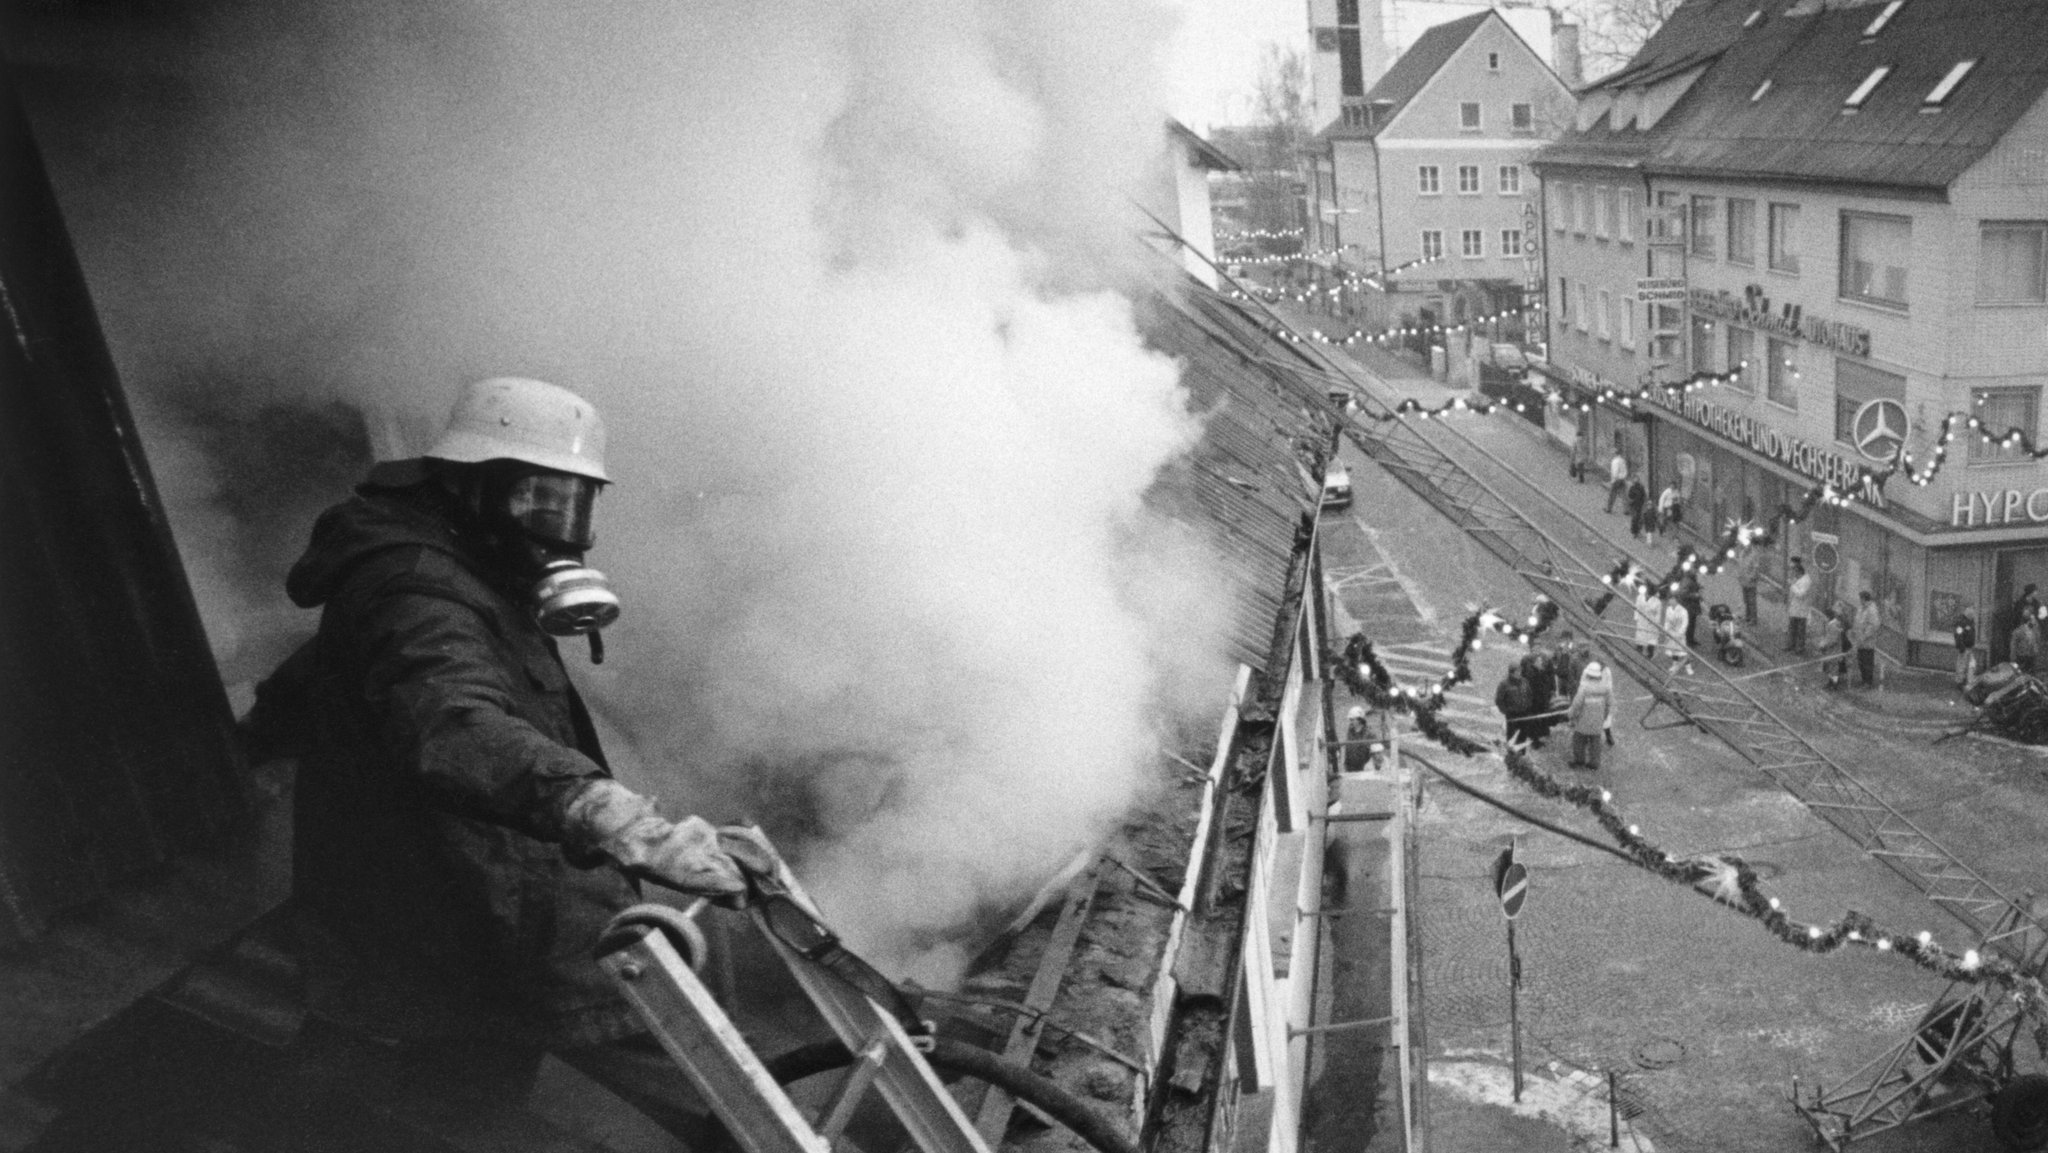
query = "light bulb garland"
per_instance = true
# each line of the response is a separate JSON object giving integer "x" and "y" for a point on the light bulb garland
{"x": 1724, "y": 877}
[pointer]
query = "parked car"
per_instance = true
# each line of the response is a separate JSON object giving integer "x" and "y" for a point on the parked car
{"x": 1336, "y": 485}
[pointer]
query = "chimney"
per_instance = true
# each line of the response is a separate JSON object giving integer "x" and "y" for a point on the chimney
{"x": 1565, "y": 48}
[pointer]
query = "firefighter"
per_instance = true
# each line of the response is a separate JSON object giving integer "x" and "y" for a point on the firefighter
{"x": 459, "y": 841}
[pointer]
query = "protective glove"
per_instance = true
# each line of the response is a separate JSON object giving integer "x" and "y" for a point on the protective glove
{"x": 615, "y": 822}
{"x": 749, "y": 847}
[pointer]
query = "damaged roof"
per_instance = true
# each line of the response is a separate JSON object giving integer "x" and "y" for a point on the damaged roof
{"x": 1904, "y": 94}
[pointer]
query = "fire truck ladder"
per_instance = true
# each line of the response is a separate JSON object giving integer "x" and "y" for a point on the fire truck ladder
{"x": 1708, "y": 698}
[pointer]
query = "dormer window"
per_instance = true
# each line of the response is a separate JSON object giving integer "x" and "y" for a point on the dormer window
{"x": 1883, "y": 17}
{"x": 1760, "y": 90}
{"x": 1940, "y": 92}
{"x": 1755, "y": 18}
{"x": 1869, "y": 84}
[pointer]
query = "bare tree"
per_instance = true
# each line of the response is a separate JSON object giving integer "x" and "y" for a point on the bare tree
{"x": 1273, "y": 187}
{"x": 1613, "y": 31}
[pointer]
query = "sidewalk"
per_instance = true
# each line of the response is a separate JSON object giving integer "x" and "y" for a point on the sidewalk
{"x": 1906, "y": 693}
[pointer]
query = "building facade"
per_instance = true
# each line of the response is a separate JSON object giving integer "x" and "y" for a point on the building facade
{"x": 1833, "y": 221}
{"x": 1355, "y": 42}
{"x": 1423, "y": 190}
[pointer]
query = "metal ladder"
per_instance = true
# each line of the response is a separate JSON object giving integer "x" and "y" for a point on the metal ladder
{"x": 644, "y": 949}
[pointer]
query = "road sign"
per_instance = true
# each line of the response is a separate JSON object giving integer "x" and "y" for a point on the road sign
{"x": 1513, "y": 889}
{"x": 1660, "y": 288}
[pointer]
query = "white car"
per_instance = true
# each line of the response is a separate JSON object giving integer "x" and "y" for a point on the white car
{"x": 1336, "y": 485}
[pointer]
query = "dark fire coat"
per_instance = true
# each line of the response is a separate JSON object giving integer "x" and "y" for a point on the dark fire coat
{"x": 446, "y": 739}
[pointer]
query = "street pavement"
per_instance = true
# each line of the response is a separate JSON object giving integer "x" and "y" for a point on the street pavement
{"x": 1702, "y": 1017}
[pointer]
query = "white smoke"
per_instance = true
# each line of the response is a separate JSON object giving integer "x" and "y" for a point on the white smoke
{"x": 843, "y": 278}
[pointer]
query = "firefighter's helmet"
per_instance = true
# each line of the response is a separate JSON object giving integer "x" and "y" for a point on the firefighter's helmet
{"x": 513, "y": 418}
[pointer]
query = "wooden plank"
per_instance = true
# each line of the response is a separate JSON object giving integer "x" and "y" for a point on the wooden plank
{"x": 993, "y": 1119}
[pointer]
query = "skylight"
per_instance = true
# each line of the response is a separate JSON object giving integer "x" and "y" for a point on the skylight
{"x": 1883, "y": 17}
{"x": 1754, "y": 17}
{"x": 1870, "y": 82}
{"x": 1948, "y": 83}
{"x": 1760, "y": 90}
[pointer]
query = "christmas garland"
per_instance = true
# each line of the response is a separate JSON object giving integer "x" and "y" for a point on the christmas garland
{"x": 1725, "y": 877}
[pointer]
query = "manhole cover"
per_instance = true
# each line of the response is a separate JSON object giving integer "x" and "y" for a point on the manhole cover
{"x": 1661, "y": 1053}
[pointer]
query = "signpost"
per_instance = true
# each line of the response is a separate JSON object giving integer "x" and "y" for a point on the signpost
{"x": 1511, "y": 885}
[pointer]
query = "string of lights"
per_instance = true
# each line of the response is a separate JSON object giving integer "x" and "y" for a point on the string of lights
{"x": 1724, "y": 877}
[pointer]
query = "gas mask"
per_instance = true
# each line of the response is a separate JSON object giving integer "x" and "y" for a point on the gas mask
{"x": 541, "y": 522}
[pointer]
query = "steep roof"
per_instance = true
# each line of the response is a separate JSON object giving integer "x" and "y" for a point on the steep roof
{"x": 1200, "y": 151}
{"x": 1430, "y": 52}
{"x": 1814, "y": 54}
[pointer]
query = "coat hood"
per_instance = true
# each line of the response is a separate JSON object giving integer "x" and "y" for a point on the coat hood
{"x": 394, "y": 508}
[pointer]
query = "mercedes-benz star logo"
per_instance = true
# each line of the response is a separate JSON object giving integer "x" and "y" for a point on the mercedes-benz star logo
{"x": 1879, "y": 429}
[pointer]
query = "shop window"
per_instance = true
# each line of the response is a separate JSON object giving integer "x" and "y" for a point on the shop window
{"x": 1784, "y": 238}
{"x": 1741, "y": 230}
{"x": 2012, "y": 262}
{"x": 1700, "y": 241}
{"x": 1999, "y": 410}
{"x": 1856, "y": 385}
{"x": 1781, "y": 373}
{"x": 1741, "y": 362}
{"x": 1875, "y": 252}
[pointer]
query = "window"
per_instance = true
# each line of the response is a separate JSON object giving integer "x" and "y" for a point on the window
{"x": 1511, "y": 242}
{"x": 1602, "y": 326}
{"x": 1627, "y": 338}
{"x": 2012, "y": 262}
{"x": 1564, "y": 301}
{"x": 1937, "y": 95}
{"x": 1428, "y": 180}
{"x": 1350, "y": 51}
{"x": 1356, "y": 116}
{"x": 1585, "y": 304}
{"x": 1468, "y": 179}
{"x": 1432, "y": 244}
{"x": 1883, "y": 18}
{"x": 1522, "y": 117}
{"x": 1784, "y": 238}
{"x": 1700, "y": 242}
{"x": 1627, "y": 225}
{"x": 1863, "y": 90}
{"x": 1605, "y": 212}
{"x": 1563, "y": 219}
{"x": 1582, "y": 208}
{"x": 1493, "y": 61}
{"x": 1857, "y": 384}
{"x": 1472, "y": 243}
{"x": 2000, "y": 409}
{"x": 1703, "y": 342}
{"x": 1468, "y": 116}
{"x": 1781, "y": 374}
{"x": 1511, "y": 180}
{"x": 1741, "y": 231}
{"x": 1741, "y": 359}
{"x": 1875, "y": 250}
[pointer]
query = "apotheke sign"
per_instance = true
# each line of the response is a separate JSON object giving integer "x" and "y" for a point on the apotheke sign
{"x": 1753, "y": 308}
{"x": 2012, "y": 506}
{"x": 1822, "y": 464}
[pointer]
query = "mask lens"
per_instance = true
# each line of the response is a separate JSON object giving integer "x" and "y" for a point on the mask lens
{"x": 555, "y": 508}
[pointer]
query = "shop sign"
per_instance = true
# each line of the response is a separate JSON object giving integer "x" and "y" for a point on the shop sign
{"x": 2012, "y": 506}
{"x": 1822, "y": 464}
{"x": 1753, "y": 308}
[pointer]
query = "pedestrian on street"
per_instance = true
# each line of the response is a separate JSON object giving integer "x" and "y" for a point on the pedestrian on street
{"x": 1694, "y": 598}
{"x": 1591, "y": 715}
{"x": 1638, "y": 500}
{"x": 1863, "y": 633}
{"x": 1749, "y": 572}
{"x": 1581, "y": 459}
{"x": 1670, "y": 510}
{"x": 1834, "y": 638}
{"x": 1567, "y": 662}
{"x": 1798, "y": 603}
{"x": 2026, "y": 645}
{"x": 1617, "y": 478}
{"x": 1649, "y": 620}
{"x": 1511, "y": 697}
{"x": 1966, "y": 646}
{"x": 1542, "y": 689}
{"x": 1676, "y": 623}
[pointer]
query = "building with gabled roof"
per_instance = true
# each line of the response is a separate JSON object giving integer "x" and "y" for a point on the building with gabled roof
{"x": 1846, "y": 206}
{"x": 1421, "y": 186}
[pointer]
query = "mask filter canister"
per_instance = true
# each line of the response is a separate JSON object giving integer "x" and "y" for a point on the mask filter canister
{"x": 573, "y": 598}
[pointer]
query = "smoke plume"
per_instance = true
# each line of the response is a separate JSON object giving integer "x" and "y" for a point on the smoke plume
{"x": 849, "y": 282}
